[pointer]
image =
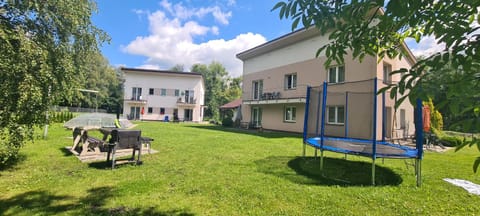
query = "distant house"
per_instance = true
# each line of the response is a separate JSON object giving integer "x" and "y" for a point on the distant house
{"x": 276, "y": 75}
{"x": 232, "y": 109}
{"x": 163, "y": 95}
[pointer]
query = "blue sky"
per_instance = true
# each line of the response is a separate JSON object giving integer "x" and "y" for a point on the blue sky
{"x": 158, "y": 34}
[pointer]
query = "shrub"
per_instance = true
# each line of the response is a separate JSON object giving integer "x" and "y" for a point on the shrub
{"x": 227, "y": 122}
{"x": 451, "y": 141}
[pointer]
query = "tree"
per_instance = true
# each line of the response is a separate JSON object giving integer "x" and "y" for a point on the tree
{"x": 97, "y": 74}
{"x": 219, "y": 87}
{"x": 42, "y": 43}
{"x": 380, "y": 28}
{"x": 177, "y": 68}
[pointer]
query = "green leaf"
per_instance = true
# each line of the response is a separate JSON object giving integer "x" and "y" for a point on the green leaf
{"x": 295, "y": 23}
{"x": 279, "y": 4}
{"x": 476, "y": 164}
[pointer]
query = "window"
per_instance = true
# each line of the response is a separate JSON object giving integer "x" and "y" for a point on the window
{"x": 162, "y": 111}
{"x": 336, "y": 114}
{"x": 402, "y": 119}
{"x": 177, "y": 92}
{"x": 151, "y": 91}
{"x": 290, "y": 114}
{"x": 290, "y": 81}
{"x": 136, "y": 93}
{"x": 387, "y": 77}
{"x": 163, "y": 92}
{"x": 336, "y": 74}
{"x": 257, "y": 89}
{"x": 150, "y": 110}
{"x": 189, "y": 96}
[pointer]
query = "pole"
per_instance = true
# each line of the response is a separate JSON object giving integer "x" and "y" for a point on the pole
{"x": 305, "y": 121}
{"x": 374, "y": 132}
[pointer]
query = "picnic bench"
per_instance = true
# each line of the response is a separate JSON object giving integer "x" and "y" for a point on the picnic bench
{"x": 85, "y": 144}
{"x": 125, "y": 139}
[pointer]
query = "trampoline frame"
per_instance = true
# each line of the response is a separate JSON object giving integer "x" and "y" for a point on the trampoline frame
{"x": 416, "y": 153}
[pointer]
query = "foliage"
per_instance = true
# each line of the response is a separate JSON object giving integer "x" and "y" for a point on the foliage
{"x": 219, "y": 87}
{"x": 177, "y": 68}
{"x": 227, "y": 122}
{"x": 214, "y": 170}
{"x": 42, "y": 44}
{"x": 60, "y": 117}
{"x": 380, "y": 28}
{"x": 447, "y": 83}
{"x": 97, "y": 75}
{"x": 436, "y": 118}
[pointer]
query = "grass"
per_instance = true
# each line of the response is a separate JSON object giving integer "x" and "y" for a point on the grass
{"x": 210, "y": 170}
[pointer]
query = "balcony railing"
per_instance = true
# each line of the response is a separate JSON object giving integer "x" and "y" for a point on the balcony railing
{"x": 275, "y": 96}
{"x": 186, "y": 100}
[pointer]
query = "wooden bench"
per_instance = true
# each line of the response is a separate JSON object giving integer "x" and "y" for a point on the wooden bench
{"x": 83, "y": 144}
{"x": 125, "y": 139}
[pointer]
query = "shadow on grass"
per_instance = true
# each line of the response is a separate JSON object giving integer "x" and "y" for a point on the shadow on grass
{"x": 336, "y": 171}
{"x": 12, "y": 163}
{"x": 44, "y": 203}
{"x": 265, "y": 133}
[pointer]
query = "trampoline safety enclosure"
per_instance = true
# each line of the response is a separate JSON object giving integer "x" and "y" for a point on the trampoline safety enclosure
{"x": 361, "y": 105}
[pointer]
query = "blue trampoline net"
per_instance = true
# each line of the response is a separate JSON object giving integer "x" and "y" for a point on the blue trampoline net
{"x": 351, "y": 114}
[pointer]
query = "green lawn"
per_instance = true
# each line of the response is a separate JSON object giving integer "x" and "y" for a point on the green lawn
{"x": 209, "y": 170}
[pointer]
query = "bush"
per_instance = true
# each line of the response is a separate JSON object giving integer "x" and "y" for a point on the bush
{"x": 451, "y": 141}
{"x": 227, "y": 122}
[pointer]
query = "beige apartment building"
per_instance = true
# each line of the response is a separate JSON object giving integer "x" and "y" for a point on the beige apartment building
{"x": 159, "y": 95}
{"x": 276, "y": 75}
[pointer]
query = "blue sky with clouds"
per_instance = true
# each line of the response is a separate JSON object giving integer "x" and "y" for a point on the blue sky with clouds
{"x": 158, "y": 34}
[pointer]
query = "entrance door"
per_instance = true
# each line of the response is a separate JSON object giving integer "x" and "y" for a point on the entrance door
{"x": 188, "y": 115}
{"x": 256, "y": 117}
{"x": 134, "y": 113}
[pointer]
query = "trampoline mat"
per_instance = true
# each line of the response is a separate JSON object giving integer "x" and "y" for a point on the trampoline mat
{"x": 362, "y": 147}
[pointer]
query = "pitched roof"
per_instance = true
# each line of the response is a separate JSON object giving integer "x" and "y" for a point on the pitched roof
{"x": 233, "y": 104}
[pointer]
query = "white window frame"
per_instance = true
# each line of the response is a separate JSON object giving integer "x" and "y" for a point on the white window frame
{"x": 292, "y": 80}
{"x": 387, "y": 76}
{"x": 290, "y": 114}
{"x": 163, "y": 92}
{"x": 336, "y": 120}
{"x": 337, "y": 74}
{"x": 257, "y": 89}
{"x": 177, "y": 92}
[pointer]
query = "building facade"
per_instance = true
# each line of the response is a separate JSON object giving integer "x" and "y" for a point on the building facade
{"x": 276, "y": 75}
{"x": 163, "y": 95}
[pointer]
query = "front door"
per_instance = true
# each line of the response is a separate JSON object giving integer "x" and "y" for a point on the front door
{"x": 256, "y": 117}
{"x": 134, "y": 113}
{"x": 188, "y": 115}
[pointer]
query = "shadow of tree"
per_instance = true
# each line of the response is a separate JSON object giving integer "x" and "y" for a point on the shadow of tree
{"x": 44, "y": 203}
{"x": 336, "y": 171}
{"x": 264, "y": 133}
{"x": 12, "y": 163}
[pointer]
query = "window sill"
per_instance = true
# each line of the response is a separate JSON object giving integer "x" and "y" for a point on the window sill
{"x": 289, "y": 121}
{"x": 335, "y": 124}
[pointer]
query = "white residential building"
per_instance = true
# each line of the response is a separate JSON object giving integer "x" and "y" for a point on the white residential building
{"x": 160, "y": 95}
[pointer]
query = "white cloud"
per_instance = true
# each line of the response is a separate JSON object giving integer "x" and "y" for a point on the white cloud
{"x": 171, "y": 41}
{"x": 183, "y": 13}
{"x": 426, "y": 46}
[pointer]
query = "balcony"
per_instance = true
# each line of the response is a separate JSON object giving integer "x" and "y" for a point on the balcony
{"x": 135, "y": 100}
{"x": 186, "y": 102}
{"x": 275, "y": 97}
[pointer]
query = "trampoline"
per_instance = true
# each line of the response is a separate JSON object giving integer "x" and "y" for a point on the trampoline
{"x": 355, "y": 130}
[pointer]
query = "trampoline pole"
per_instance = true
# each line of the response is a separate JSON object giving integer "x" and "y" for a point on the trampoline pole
{"x": 304, "y": 149}
{"x": 373, "y": 171}
{"x": 418, "y": 167}
{"x": 321, "y": 160}
{"x": 316, "y": 150}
